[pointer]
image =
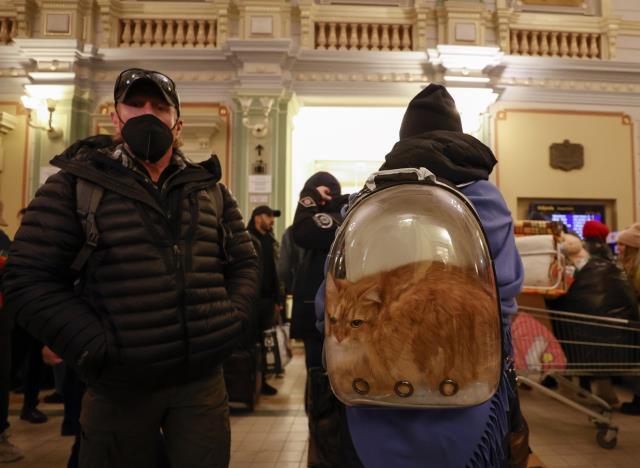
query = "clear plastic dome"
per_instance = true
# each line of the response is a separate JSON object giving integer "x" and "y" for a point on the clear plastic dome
{"x": 412, "y": 314}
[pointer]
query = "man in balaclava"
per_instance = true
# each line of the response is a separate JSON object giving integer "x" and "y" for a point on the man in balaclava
{"x": 165, "y": 276}
{"x": 431, "y": 137}
{"x": 314, "y": 227}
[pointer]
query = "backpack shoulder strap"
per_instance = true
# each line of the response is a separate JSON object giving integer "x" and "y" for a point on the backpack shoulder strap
{"x": 224, "y": 234}
{"x": 216, "y": 197}
{"x": 88, "y": 196}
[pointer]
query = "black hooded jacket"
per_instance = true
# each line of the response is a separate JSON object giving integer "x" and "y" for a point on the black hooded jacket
{"x": 600, "y": 288}
{"x": 431, "y": 137}
{"x": 314, "y": 228}
{"x": 159, "y": 304}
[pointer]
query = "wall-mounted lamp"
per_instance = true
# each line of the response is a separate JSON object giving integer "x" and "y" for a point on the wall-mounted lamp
{"x": 32, "y": 104}
{"x": 258, "y": 129}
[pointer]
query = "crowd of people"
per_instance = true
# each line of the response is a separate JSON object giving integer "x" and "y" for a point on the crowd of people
{"x": 134, "y": 276}
{"x": 603, "y": 284}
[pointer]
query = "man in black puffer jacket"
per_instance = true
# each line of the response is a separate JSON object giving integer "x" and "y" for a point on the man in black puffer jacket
{"x": 163, "y": 296}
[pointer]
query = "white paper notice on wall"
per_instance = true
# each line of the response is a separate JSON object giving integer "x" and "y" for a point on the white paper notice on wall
{"x": 46, "y": 172}
{"x": 260, "y": 183}
{"x": 264, "y": 199}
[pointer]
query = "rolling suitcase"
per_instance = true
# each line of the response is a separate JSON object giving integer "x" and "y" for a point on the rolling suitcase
{"x": 243, "y": 376}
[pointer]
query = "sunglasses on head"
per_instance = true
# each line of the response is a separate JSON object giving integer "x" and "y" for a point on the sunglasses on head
{"x": 130, "y": 76}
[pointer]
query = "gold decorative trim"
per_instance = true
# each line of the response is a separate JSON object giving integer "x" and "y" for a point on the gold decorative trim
{"x": 569, "y": 3}
{"x": 371, "y": 77}
{"x": 572, "y": 85}
{"x": 177, "y": 76}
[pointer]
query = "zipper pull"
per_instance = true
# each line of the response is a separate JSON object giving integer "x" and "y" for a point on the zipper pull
{"x": 176, "y": 253}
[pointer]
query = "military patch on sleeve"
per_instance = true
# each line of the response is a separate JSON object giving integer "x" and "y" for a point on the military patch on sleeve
{"x": 307, "y": 202}
{"x": 323, "y": 220}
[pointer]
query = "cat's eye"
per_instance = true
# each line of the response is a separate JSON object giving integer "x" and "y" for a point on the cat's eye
{"x": 333, "y": 320}
{"x": 357, "y": 323}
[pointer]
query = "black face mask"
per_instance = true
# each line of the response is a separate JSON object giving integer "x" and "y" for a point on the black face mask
{"x": 147, "y": 137}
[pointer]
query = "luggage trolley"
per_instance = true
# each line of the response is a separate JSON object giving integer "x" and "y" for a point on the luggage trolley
{"x": 564, "y": 344}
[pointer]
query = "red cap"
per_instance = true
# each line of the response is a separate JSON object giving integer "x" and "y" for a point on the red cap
{"x": 595, "y": 229}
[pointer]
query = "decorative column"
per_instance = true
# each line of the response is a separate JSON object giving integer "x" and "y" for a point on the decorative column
{"x": 260, "y": 118}
{"x": 261, "y": 145}
{"x": 11, "y": 148}
{"x": 7, "y": 124}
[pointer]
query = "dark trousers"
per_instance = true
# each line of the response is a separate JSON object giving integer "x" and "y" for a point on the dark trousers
{"x": 122, "y": 431}
{"x": 72, "y": 391}
{"x": 330, "y": 443}
{"x": 5, "y": 379}
{"x": 313, "y": 350}
{"x": 33, "y": 374}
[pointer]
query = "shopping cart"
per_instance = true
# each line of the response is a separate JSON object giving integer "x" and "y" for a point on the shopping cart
{"x": 549, "y": 343}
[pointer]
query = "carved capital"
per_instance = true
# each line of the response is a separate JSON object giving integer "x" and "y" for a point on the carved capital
{"x": 8, "y": 122}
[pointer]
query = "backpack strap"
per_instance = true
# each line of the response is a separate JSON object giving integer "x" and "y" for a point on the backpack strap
{"x": 216, "y": 197}
{"x": 215, "y": 194}
{"x": 88, "y": 196}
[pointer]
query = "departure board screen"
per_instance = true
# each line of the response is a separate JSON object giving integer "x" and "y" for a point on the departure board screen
{"x": 575, "y": 221}
{"x": 573, "y": 215}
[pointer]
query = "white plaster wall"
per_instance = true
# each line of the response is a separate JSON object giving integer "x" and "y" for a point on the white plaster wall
{"x": 627, "y": 9}
{"x": 628, "y": 48}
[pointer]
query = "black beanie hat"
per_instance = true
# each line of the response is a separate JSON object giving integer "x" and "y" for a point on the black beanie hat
{"x": 326, "y": 179}
{"x": 431, "y": 109}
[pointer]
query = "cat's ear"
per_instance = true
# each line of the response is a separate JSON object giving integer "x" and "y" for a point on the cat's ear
{"x": 373, "y": 294}
{"x": 331, "y": 286}
{"x": 335, "y": 286}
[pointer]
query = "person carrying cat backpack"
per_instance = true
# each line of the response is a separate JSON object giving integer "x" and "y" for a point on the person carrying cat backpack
{"x": 460, "y": 421}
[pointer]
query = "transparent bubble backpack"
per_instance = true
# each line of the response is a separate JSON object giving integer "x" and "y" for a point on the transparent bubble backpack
{"x": 412, "y": 314}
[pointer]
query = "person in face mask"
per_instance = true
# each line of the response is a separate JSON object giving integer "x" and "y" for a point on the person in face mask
{"x": 147, "y": 119}
{"x": 120, "y": 269}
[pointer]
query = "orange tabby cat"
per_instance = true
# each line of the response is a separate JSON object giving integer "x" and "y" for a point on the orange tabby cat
{"x": 423, "y": 322}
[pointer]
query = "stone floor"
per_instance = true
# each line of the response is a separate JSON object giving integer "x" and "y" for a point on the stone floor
{"x": 275, "y": 435}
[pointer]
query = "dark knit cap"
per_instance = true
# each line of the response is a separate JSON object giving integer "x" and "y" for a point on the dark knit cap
{"x": 326, "y": 179}
{"x": 431, "y": 109}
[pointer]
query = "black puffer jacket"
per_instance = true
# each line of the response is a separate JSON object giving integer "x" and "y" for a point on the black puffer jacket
{"x": 159, "y": 306}
{"x": 600, "y": 288}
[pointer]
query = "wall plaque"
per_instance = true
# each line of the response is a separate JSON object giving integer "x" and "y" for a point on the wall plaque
{"x": 566, "y": 156}
{"x": 58, "y": 23}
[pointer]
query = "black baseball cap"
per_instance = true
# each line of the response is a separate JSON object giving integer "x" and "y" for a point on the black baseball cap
{"x": 264, "y": 209}
{"x": 127, "y": 78}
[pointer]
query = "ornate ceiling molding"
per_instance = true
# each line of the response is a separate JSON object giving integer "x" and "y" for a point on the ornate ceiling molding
{"x": 370, "y": 77}
{"x": 571, "y": 85}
